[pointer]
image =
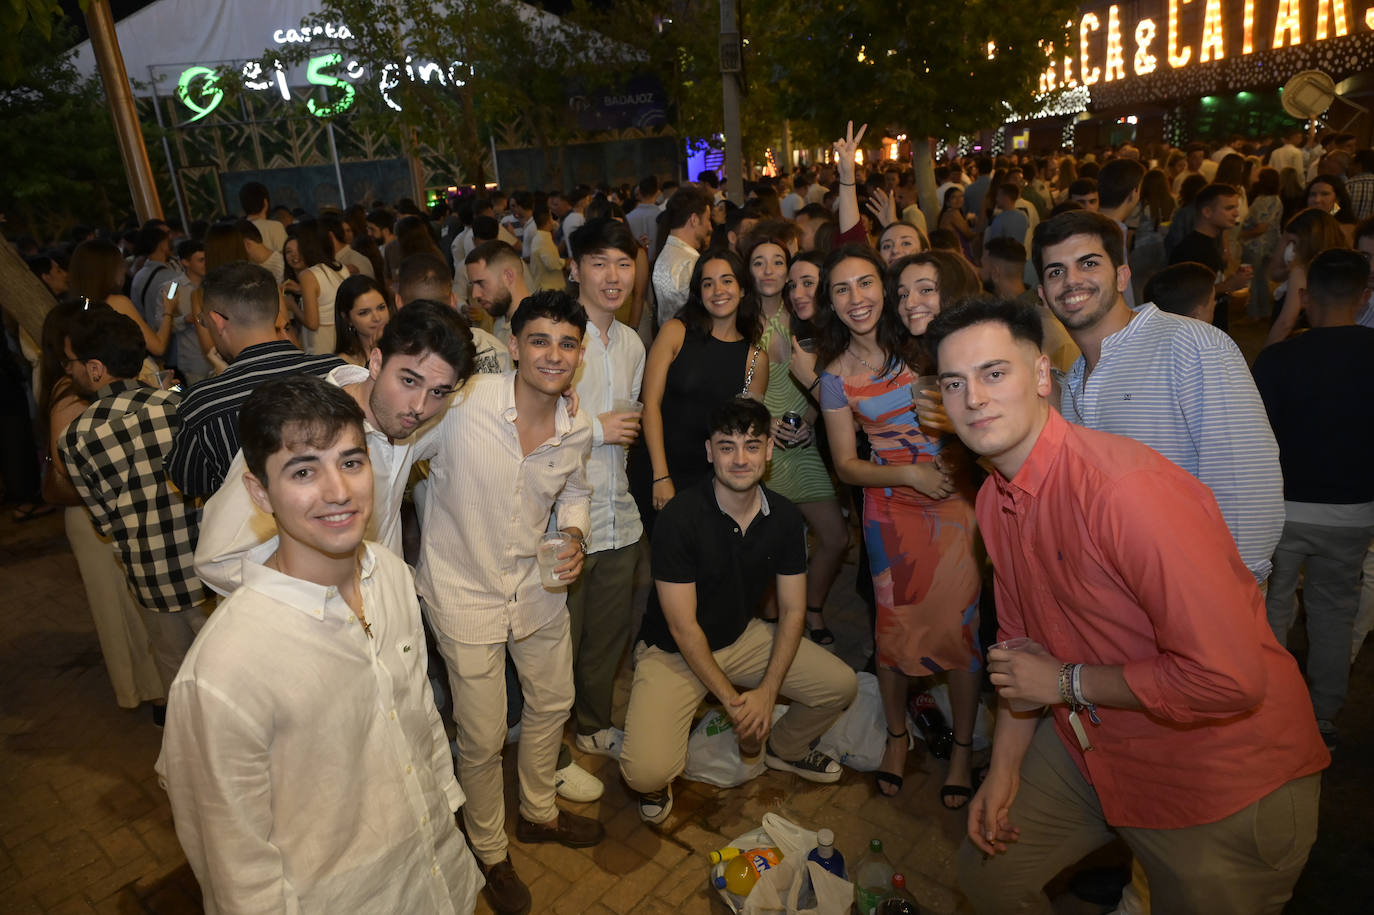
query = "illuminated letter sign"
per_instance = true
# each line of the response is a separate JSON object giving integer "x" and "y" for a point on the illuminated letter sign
{"x": 1178, "y": 57}
{"x": 1089, "y": 73}
{"x": 209, "y": 95}
{"x": 1213, "y": 34}
{"x": 1288, "y": 22}
{"x": 1144, "y": 62}
{"x": 314, "y": 73}
{"x": 1116, "y": 62}
{"x": 1326, "y": 9}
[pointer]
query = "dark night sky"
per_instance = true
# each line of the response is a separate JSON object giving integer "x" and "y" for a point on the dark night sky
{"x": 122, "y": 8}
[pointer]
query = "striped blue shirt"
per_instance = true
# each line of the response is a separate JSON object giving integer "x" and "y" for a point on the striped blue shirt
{"x": 1183, "y": 388}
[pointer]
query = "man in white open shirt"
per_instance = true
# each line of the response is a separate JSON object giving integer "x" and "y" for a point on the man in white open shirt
{"x": 612, "y": 369}
{"x": 507, "y": 457}
{"x": 423, "y": 356}
{"x": 306, "y": 764}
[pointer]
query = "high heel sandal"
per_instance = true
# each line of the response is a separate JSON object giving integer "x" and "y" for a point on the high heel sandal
{"x": 882, "y": 778}
{"x": 821, "y": 635}
{"x": 962, "y": 794}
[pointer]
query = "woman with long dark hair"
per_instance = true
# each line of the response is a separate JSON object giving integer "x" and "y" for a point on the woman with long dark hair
{"x": 796, "y": 469}
{"x": 701, "y": 358}
{"x": 320, "y": 281}
{"x": 361, "y": 314}
{"x": 96, "y": 273}
{"x": 918, "y": 512}
{"x": 1306, "y": 235}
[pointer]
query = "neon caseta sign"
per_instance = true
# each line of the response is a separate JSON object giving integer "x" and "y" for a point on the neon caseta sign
{"x": 1106, "y": 47}
{"x": 199, "y": 89}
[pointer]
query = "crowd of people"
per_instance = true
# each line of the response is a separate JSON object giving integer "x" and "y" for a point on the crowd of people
{"x": 1026, "y": 400}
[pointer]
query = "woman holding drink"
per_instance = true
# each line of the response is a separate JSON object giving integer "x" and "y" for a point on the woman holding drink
{"x": 796, "y": 470}
{"x": 918, "y": 514}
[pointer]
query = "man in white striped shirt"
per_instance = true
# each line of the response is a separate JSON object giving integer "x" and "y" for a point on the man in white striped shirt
{"x": 1178, "y": 385}
{"x": 608, "y": 383}
{"x": 507, "y": 458}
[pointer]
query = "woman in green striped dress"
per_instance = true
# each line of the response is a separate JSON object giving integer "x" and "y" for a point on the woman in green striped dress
{"x": 796, "y": 470}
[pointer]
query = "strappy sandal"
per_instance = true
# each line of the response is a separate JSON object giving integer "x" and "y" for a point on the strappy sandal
{"x": 882, "y": 779}
{"x": 819, "y": 634}
{"x": 961, "y": 794}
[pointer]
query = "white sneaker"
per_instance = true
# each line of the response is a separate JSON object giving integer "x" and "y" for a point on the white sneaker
{"x": 606, "y": 742}
{"x": 576, "y": 784}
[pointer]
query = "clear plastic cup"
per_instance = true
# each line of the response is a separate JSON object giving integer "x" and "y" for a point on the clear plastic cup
{"x": 625, "y": 405}
{"x": 1017, "y": 644}
{"x": 549, "y": 547}
{"x": 165, "y": 378}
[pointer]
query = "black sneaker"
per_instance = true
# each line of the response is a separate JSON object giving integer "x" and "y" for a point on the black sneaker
{"x": 815, "y": 766}
{"x": 655, "y": 806}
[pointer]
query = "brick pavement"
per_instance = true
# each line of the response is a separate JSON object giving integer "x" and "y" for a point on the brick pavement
{"x": 84, "y": 826}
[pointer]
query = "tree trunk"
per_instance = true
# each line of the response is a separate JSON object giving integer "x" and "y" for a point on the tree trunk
{"x": 923, "y": 164}
{"x": 475, "y": 153}
{"x": 22, "y": 294}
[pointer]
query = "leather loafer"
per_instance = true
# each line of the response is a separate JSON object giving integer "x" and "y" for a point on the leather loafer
{"x": 506, "y": 893}
{"x": 569, "y": 829}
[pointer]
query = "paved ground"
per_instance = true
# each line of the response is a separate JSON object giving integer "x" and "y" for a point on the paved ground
{"x": 85, "y": 828}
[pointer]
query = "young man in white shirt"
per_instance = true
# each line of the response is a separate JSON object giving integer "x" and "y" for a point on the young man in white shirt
{"x": 309, "y": 687}
{"x": 506, "y": 459}
{"x": 599, "y": 602}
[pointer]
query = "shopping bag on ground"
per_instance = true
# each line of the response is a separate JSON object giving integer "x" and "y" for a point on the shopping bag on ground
{"x": 795, "y": 886}
{"x": 857, "y": 738}
{"x": 982, "y": 725}
{"x": 713, "y": 752}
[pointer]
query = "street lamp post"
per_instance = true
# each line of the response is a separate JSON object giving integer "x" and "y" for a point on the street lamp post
{"x": 731, "y": 65}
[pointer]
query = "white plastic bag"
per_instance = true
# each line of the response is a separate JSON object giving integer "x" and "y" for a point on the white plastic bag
{"x": 778, "y": 888}
{"x": 982, "y": 725}
{"x": 858, "y": 737}
{"x": 713, "y": 752}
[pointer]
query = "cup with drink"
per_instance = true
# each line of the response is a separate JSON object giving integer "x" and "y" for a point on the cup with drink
{"x": 929, "y": 405}
{"x": 550, "y": 546}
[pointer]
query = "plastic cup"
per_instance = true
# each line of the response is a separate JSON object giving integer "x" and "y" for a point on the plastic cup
{"x": 626, "y": 405}
{"x": 807, "y": 345}
{"x": 549, "y": 547}
{"x": 1017, "y": 644}
{"x": 164, "y": 378}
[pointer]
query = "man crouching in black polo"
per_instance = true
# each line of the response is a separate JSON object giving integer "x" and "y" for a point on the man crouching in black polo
{"x": 717, "y": 547}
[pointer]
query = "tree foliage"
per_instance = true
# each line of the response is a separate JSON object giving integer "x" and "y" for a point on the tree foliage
{"x": 927, "y": 69}
{"x": 61, "y": 158}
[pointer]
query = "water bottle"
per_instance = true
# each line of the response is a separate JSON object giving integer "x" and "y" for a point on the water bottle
{"x": 898, "y": 901}
{"x": 872, "y": 878}
{"x": 743, "y": 870}
{"x": 826, "y": 856}
{"x": 931, "y": 724}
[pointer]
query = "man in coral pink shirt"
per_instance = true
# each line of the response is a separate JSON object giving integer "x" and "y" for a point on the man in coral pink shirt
{"x": 1176, "y": 720}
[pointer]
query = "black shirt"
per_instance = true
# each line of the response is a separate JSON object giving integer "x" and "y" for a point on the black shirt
{"x": 695, "y": 541}
{"x": 1205, "y": 250}
{"x": 1319, "y": 395}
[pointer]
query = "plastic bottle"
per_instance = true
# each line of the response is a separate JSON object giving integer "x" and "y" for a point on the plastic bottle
{"x": 743, "y": 871}
{"x": 931, "y": 725}
{"x": 898, "y": 901}
{"x": 725, "y": 854}
{"x": 826, "y": 855}
{"x": 872, "y": 878}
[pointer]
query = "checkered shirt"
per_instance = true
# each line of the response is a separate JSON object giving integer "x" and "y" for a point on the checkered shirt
{"x": 114, "y": 454}
{"x": 1361, "y": 189}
